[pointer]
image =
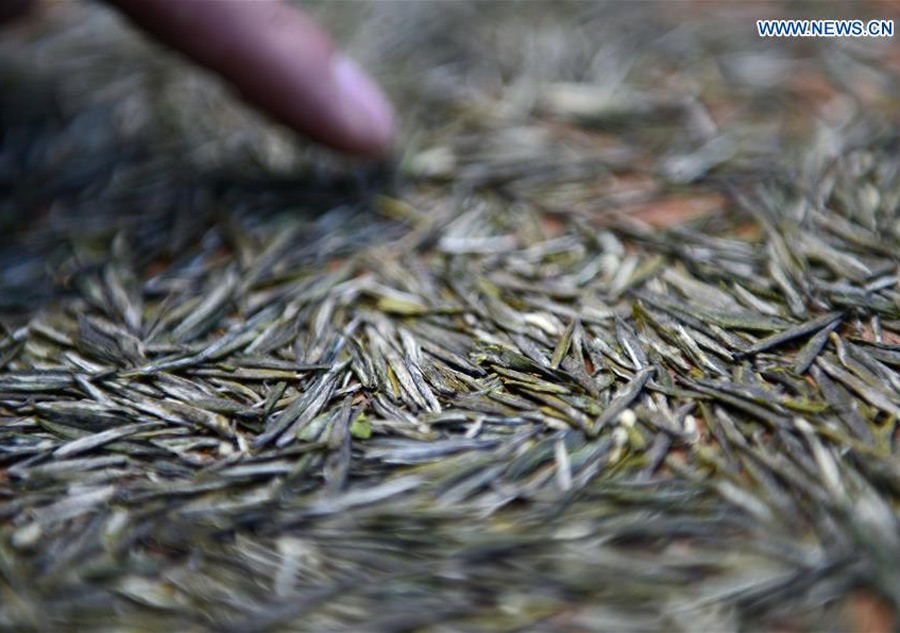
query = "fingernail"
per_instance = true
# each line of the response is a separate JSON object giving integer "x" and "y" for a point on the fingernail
{"x": 365, "y": 109}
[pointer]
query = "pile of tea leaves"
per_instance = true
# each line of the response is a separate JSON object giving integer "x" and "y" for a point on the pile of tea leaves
{"x": 611, "y": 345}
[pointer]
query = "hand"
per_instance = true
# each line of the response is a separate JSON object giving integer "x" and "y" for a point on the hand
{"x": 278, "y": 59}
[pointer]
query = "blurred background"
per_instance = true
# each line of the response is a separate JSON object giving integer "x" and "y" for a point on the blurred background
{"x": 87, "y": 103}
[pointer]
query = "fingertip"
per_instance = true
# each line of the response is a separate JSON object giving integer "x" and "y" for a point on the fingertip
{"x": 366, "y": 115}
{"x": 279, "y": 60}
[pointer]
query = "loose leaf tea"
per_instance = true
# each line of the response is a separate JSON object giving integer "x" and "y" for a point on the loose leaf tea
{"x": 612, "y": 343}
